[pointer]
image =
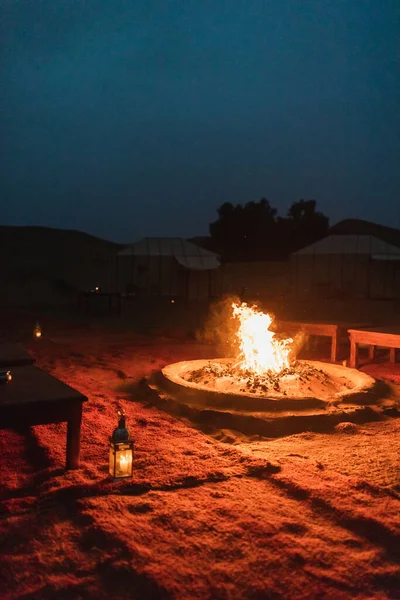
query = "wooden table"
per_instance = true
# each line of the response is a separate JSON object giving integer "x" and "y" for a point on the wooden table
{"x": 14, "y": 355}
{"x": 35, "y": 397}
{"x": 387, "y": 337}
{"x": 86, "y": 298}
{"x": 318, "y": 329}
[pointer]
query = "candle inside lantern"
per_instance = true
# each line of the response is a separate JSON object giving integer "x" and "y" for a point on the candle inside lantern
{"x": 37, "y": 332}
{"x": 124, "y": 463}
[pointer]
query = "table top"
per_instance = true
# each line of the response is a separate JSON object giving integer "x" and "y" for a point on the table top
{"x": 90, "y": 293}
{"x": 340, "y": 327}
{"x": 30, "y": 385}
{"x": 391, "y": 330}
{"x": 300, "y": 324}
{"x": 13, "y": 355}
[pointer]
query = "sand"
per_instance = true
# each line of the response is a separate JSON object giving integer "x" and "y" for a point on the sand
{"x": 204, "y": 517}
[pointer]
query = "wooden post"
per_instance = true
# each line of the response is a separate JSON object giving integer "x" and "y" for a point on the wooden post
{"x": 392, "y": 355}
{"x": 74, "y": 436}
{"x": 335, "y": 339}
{"x": 117, "y": 273}
{"x": 353, "y": 353}
{"x": 371, "y": 352}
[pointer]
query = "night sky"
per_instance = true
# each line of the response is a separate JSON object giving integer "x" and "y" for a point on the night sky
{"x": 140, "y": 117}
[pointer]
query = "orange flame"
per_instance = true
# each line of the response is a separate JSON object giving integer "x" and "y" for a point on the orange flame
{"x": 260, "y": 352}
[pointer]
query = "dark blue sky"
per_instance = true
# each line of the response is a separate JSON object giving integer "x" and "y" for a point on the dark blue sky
{"x": 140, "y": 117}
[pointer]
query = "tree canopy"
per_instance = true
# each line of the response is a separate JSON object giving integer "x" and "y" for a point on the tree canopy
{"x": 256, "y": 230}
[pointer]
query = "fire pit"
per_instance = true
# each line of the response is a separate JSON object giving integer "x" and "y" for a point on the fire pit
{"x": 265, "y": 383}
{"x": 305, "y": 384}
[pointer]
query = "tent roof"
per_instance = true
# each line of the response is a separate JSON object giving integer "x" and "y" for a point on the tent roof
{"x": 389, "y": 235}
{"x": 187, "y": 254}
{"x": 351, "y": 244}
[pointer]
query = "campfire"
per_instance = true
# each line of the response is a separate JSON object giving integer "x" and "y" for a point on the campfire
{"x": 265, "y": 366}
{"x": 260, "y": 352}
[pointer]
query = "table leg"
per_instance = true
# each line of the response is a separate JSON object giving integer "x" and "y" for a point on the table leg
{"x": 74, "y": 437}
{"x": 371, "y": 352}
{"x": 392, "y": 355}
{"x": 334, "y": 346}
{"x": 353, "y": 354}
{"x": 307, "y": 342}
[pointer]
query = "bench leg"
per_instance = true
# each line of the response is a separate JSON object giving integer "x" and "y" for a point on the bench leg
{"x": 371, "y": 352}
{"x": 392, "y": 355}
{"x": 74, "y": 437}
{"x": 334, "y": 347}
{"x": 353, "y": 355}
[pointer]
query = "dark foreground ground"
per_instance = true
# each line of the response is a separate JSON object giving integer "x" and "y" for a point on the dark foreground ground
{"x": 218, "y": 516}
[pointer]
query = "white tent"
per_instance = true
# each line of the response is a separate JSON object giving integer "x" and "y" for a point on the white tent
{"x": 166, "y": 266}
{"x": 352, "y": 244}
{"x": 356, "y": 265}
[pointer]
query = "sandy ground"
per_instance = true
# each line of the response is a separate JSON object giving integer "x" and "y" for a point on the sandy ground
{"x": 222, "y": 517}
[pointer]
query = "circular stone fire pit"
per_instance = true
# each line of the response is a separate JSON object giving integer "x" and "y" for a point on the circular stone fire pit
{"x": 309, "y": 396}
{"x": 308, "y": 384}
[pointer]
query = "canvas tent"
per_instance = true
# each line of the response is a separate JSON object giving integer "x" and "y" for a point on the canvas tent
{"x": 359, "y": 265}
{"x": 168, "y": 267}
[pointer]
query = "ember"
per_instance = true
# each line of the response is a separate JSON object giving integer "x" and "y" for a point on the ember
{"x": 231, "y": 375}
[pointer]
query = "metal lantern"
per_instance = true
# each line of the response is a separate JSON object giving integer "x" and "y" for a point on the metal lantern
{"x": 121, "y": 450}
{"x": 5, "y": 376}
{"x": 37, "y": 332}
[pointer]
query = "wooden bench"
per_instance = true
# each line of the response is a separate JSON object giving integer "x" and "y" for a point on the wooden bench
{"x": 387, "y": 337}
{"x": 318, "y": 329}
{"x": 35, "y": 397}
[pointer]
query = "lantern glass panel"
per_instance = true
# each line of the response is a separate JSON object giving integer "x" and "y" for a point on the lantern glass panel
{"x": 121, "y": 459}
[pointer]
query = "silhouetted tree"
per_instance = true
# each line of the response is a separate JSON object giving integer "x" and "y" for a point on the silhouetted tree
{"x": 255, "y": 229}
{"x": 245, "y": 226}
{"x": 305, "y": 223}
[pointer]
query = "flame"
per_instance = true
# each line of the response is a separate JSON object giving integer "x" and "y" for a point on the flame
{"x": 260, "y": 352}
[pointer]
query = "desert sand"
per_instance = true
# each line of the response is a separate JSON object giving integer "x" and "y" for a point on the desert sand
{"x": 216, "y": 515}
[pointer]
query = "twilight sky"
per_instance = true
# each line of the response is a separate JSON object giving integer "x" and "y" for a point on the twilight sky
{"x": 140, "y": 117}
